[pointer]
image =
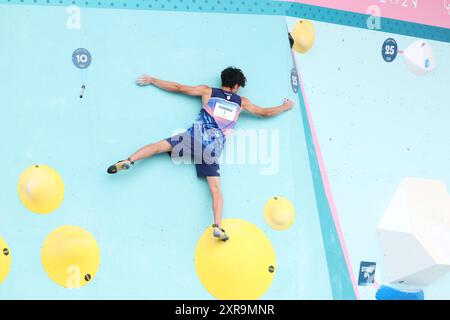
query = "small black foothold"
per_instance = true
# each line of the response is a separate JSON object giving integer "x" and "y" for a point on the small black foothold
{"x": 276, "y": 198}
{"x": 83, "y": 87}
{"x": 291, "y": 40}
{"x": 36, "y": 166}
{"x": 271, "y": 269}
{"x": 87, "y": 277}
{"x": 6, "y": 251}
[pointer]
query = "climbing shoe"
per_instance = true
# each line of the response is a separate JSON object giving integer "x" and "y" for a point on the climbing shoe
{"x": 220, "y": 233}
{"x": 121, "y": 165}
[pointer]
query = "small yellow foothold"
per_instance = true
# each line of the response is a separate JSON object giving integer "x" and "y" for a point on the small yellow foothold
{"x": 41, "y": 189}
{"x": 5, "y": 260}
{"x": 304, "y": 35}
{"x": 70, "y": 256}
{"x": 279, "y": 213}
{"x": 241, "y": 268}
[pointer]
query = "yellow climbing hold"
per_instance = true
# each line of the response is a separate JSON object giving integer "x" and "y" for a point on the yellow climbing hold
{"x": 241, "y": 268}
{"x": 279, "y": 213}
{"x": 70, "y": 256}
{"x": 304, "y": 34}
{"x": 5, "y": 260}
{"x": 41, "y": 189}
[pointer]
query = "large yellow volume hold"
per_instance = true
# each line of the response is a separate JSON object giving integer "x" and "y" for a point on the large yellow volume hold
{"x": 41, "y": 189}
{"x": 70, "y": 256}
{"x": 304, "y": 35}
{"x": 5, "y": 260}
{"x": 240, "y": 268}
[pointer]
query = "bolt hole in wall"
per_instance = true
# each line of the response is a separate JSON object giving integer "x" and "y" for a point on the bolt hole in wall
{"x": 312, "y": 211}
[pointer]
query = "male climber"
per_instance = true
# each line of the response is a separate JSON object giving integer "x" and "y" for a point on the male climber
{"x": 205, "y": 139}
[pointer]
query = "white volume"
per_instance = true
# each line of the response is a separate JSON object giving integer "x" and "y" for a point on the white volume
{"x": 414, "y": 233}
{"x": 419, "y": 58}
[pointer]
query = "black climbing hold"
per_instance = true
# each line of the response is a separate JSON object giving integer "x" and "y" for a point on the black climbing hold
{"x": 271, "y": 269}
{"x": 276, "y": 198}
{"x": 6, "y": 251}
{"x": 36, "y": 166}
{"x": 291, "y": 40}
{"x": 83, "y": 87}
{"x": 87, "y": 277}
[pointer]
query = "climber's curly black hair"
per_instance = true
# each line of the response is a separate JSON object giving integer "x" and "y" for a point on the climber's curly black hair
{"x": 232, "y": 76}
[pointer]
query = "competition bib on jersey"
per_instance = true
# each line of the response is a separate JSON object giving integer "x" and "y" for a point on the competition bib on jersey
{"x": 225, "y": 111}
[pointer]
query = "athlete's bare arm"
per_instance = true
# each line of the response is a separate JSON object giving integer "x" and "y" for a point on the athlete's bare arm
{"x": 266, "y": 112}
{"x": 202, "y": 91}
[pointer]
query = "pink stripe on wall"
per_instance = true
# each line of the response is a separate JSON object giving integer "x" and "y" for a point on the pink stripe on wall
{"x": 430, "y": 12}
